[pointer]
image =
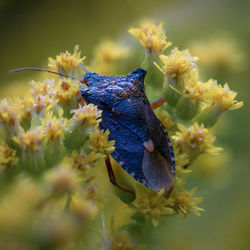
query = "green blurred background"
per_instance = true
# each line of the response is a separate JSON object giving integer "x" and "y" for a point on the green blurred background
{"x": 31, "y": 31}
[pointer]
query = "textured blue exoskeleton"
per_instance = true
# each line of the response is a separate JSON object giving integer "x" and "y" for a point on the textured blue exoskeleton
{"x": 142, "y": 145}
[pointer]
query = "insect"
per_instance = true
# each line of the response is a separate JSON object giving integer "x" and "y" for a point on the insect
{"x": 142, "y": 145}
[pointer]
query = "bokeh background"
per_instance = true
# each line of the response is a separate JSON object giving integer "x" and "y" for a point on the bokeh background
{"x": 31, "y": 31}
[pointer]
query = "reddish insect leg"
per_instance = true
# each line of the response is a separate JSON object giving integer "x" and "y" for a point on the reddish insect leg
{"x": 113, "y": 179}
{"x": 156, "y": 104}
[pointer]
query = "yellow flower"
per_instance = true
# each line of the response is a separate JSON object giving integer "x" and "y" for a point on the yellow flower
{"x": 9, "y": 113}
{"x": 119, "y": 241}
{"x": 109, "y": 51}
{"x": 66, "y": 90}
{"x": 86, "y": 115}
{"x": 83, "y": 208}
{"x": 107, "y": 56}
{"x": 7, "y": 156}
{"x": 39, "y": 88}
{"x": 83, "y": 161}
{"x": 62, "y": 179}
{"x": 26, "y": 107}
{"x": 195, "y": 140}
{"x": 53, "y": 127}
{"x": 25, "y": 195}
{"x": 66, "y": 62}
{"x": 179, "y": 64}
{"x": 221, "y": 97}
{"x": 194, "y": 90}
{"x": 219, "y": 53}
{"x": 151, "y": 204}
{"x": 184, "y": 201}
{"x": 151, "y": 37}
{"x": 100, "y": 143}
{"x": 30, "y": 141}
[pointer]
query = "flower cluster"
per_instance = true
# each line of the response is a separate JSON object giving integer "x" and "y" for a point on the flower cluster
{"x": 151, "y": 37}
{"x": 192, "y": 107}
{"x": 52, "y": 150}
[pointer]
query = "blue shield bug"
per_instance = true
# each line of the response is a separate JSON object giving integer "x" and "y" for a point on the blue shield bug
{"x": 142, "y": 145}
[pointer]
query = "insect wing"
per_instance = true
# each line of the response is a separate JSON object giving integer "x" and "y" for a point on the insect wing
{"x": 158, "y": 165}
{"x": 128, "y": 148}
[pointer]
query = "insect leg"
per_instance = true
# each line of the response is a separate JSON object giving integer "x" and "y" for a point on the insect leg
{"x": 113, "y": 179}
{"x": 156, "y": 104}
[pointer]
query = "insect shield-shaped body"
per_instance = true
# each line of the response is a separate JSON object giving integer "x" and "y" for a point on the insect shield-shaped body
{"x": 142, "y": 145}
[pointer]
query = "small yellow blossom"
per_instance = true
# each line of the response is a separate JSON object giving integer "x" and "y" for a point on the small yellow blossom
{"x": 26, "y": 107}
{"x": 179, "y": 64}
{"x": 17, "y": 206}
{"x": 83, "y": 208}
{"x": 219, "y": 53}
{"x": 83, "y": 161}
{"x": 184, "y": 201}
{"x": 151, "y": 37}
{"x": 195, "y": 140}
{"x": 30, "y": 141}
{"x": 62, "y": 179}
{"x": 42, "y": 103}
{"x": 66, "y": 62}
{"x": 221, "y": 97}
{"x": 100, "y": 143}
{"x": 107, "y": 56}
{"x": 118, "y": 241}
{"x": 151, "y": 204}
{"x": 7, "y": 156}
{"x": 194, "y": 90}
{"x": 86, "y": 115}
{"x": 9, "y": 113}
{"x": 53, "y": 127}
{"x": 39, "y": 88}
{"x": 66, "y": 90}
{"x": 109, "y": 51}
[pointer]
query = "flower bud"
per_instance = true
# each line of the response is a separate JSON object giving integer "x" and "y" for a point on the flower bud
{"x": 186, "y": 109}
{"x": 209, "y": 116}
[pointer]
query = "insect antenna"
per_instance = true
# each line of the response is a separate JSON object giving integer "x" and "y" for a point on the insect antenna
{"x": 43, "y": 70}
